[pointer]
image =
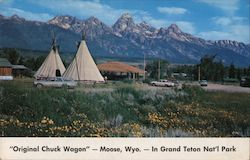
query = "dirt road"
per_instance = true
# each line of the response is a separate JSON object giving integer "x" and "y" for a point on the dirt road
{"x": 226, "y": 88}
{"x": 210, "y": 87}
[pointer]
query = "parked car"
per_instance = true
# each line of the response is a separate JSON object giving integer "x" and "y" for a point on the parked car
{"x": 176, "y": 82}
{"x": 162, "y": 83}
{"x": 245, "y": 82}
{"x": 203, "y": 82}
{"x": 57, "y": 82}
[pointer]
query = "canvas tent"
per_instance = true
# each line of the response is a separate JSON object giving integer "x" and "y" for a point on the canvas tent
{"x": 52, "y": 65}
{"x": 83, "y": 67}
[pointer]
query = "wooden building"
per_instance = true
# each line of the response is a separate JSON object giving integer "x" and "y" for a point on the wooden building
{"x": 117, "y": 71}
{"x": 5, "y": 69}
{"x": 20, "y": 71}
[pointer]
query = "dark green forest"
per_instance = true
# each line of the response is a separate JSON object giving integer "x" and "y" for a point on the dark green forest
{"x": 211, "y": 68}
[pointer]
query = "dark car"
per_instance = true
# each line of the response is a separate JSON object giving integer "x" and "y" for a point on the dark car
{"x": 245, "y": 82}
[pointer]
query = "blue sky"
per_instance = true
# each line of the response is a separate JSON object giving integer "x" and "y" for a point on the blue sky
{"x": 208, "y": 19}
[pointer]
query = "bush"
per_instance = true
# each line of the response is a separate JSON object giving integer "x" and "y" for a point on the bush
{"x": 126, "y": 111}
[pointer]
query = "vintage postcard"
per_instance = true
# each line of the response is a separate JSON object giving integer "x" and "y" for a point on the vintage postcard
{"x": 124, "y": 79}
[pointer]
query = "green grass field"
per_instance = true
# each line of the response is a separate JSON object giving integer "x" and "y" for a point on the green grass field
{"x": 128, "y": 110}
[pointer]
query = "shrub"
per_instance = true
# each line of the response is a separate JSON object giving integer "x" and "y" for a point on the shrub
{"x": 126, "y": 111}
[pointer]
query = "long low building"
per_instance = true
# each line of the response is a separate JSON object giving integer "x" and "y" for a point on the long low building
{"x": 20, "y": 71}
{"x": 118, "y": 70}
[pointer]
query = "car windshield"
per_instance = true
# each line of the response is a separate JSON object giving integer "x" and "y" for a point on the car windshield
{"x": 58, "y": 79}
{"x": 68, "y": 80}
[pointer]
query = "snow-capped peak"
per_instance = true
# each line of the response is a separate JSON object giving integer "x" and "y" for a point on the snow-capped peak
{"x": 63, "y": 21}
{"x": 16, "y": 17}
{"x": 126, "y": 16}
{"x": 174, "y": 28}
{"x": 125, "y": 22}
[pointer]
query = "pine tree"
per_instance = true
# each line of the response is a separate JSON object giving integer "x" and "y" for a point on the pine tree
{"x": 231, "y": 71}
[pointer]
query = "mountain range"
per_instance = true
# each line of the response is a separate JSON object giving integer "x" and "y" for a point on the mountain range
{"x": 124, "y": 38}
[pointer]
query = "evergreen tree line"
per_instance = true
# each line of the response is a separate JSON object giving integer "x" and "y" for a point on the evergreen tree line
{"x": 14, "y": 57}
{"x": 213, "y": 70}
{"x": 210, "y": 69}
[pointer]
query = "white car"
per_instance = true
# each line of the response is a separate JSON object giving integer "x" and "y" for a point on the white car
{"x": 162, "y": 83}
{"x": 57, "y": 82}
{"x": 203, "y": 82}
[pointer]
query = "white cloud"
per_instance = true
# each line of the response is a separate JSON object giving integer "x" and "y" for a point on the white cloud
{"x": 235, "y": 32}
{"x": 106, "y": 13}
{"x": 6, "y": 1}
{"x": 225, "y": 21}
{"x": 157, "y": 23}
{"x": 232, "y": 27}
{"x": 222, "y": 20}
{"x": 229, "y": 6}
{"x": 215, "y": 35}
{"x": 144, "y": 16}
{"x": 228, "y": 27}
{"x": 84, "y": 9}
{"x": 241, "y": 32}
{"x": 171, "y": 10}
{"x": 27, "y": 15}
{"x": 186, "y": 26}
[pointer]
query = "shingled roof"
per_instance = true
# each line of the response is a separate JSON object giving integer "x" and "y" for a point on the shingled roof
{"x": 119, "y": 67}
{"x": 4, "y": 63}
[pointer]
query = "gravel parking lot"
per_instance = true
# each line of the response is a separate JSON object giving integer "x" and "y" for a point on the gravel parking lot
{"x": 210, "y": 87}
{"x": 226, "y": 88}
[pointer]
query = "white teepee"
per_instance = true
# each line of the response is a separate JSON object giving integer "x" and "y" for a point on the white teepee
{"x": 52, "y": 65}
{"x": 83, "y": 67}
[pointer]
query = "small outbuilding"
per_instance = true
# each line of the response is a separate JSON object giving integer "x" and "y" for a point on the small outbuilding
{"x": 117, "y": 70}
{"x": 20, "y": 71}
{"x": 5, "y": 69}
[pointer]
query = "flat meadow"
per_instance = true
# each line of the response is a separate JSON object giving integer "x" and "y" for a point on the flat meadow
{"x": 121, "y": 109}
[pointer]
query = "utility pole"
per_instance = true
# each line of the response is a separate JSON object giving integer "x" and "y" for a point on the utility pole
{"x": 159, "y": 70}
{"x": 199, "y": 73}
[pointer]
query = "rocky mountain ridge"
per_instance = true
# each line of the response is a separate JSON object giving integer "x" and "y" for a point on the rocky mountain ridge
{"x": 124, "y": 38}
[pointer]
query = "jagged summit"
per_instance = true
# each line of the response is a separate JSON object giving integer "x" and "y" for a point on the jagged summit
{"x": 125, "y": 22}
{"x": 124, "y": 38}
{"x": 93, "y": 26}
{"x": 16, "y": 17}
{"x": 64, "y": 21}
{"x": 126, "y": 16}
{"x": 62, "y": 18}
{"x": 174, "y": 28}
{"x": 229, "y": 42}
{"x": 1, "y": 16}
{"x": 146, "y": 26}
{"x": 93, "y": 20}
